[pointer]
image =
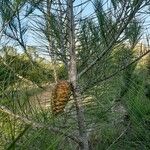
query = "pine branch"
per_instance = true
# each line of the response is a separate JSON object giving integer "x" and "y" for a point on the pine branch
{"x": 113, "y": 42}
{"x": 34, "y": 124}
{"x": 118, "y": 71}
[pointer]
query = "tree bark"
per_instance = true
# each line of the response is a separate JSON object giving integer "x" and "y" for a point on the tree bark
{"x": 73, "y": 78}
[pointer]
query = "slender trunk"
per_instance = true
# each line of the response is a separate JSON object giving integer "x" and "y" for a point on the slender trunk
{"x": 62, "y": 36}
{"x": 73, "y": 78}
{"x": 50, "y": 40}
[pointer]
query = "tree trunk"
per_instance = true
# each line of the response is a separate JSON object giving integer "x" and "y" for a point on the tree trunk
{"x": 73, "y": 78}
{"x": 51, "y": 46}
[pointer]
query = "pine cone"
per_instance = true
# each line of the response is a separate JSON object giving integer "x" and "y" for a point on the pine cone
{"x": 60, "y": 96}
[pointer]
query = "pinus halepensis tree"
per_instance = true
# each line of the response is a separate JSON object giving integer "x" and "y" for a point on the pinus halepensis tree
{"x": 84, "y": 44}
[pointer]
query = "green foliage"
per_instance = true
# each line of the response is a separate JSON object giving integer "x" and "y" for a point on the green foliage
{"x": 133, "y": 32}
{"x": 24, "y": 67}
{"x": 7, "y": 76}
{"x": 139, "y": 111}
{"x": 62, "y": 73}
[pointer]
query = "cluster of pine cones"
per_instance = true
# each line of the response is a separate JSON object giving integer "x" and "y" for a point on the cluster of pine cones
{"x": 60, "y": 96}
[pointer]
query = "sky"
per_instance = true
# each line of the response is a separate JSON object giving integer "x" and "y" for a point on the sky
{"x": 88, "y": 11}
